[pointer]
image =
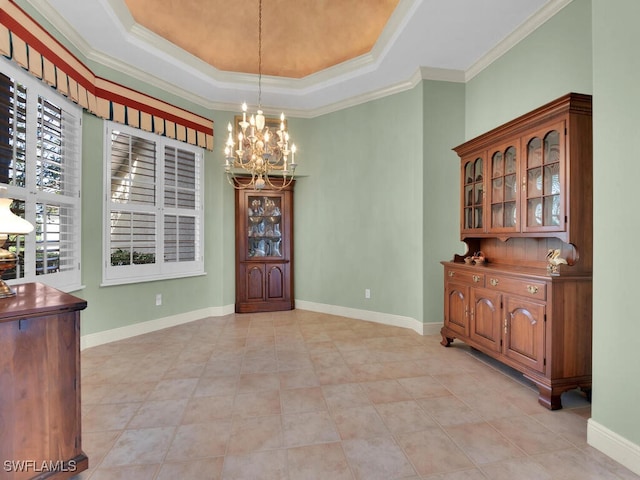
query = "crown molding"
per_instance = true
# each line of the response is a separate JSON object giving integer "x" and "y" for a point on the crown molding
{"x": 207, "y": 75}
{"x": 524, "y": 30}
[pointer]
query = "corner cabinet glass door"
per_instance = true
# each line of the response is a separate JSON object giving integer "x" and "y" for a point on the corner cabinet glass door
{"x": 544, "y": 179}
{"x": 503, "y": 192}
{"x": 264, "y": 226}
{"x": 473, "y": 195}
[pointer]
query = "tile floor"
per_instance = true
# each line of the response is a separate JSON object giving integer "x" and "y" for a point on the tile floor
{"x": 300, "y": 395}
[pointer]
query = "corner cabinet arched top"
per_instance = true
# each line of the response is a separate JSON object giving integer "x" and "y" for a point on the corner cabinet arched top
{"x": 526, "y": 190}
{"x": 264, "y": 249}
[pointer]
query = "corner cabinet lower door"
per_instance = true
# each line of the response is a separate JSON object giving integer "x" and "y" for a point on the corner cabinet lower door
{"x": 265, "y": 287}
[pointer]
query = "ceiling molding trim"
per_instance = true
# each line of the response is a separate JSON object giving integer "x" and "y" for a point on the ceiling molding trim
{"x": 524, "y": 30}
{"x": 399, "y": 87}
{"x": 59, "y": 23}
{"x": 442, "y": 74}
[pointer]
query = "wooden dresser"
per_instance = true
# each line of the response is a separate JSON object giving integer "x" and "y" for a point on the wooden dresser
{"x": 526, "y": 193}
{"x": 40, "y": 384}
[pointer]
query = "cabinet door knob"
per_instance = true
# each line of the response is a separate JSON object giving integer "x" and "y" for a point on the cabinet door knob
{"x": 532, "y": 289}
{"x": 494, "y": 282}
{"x": 476, "y": 278}
{"x": 451, "y": 273}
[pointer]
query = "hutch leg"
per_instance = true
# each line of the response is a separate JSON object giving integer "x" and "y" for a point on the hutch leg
{"x": 549, "y": 398}
{"x": 446, "y": 341}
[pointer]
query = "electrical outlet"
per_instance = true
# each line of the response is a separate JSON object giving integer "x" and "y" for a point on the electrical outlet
{"x": 158, "y": 299}
{"x": 367, "y": 293}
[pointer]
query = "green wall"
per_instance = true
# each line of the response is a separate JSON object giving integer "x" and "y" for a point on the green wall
{"x": 443, "y": 112}
{"x": 616, "y": 327}
{"x": 358, "y": 213}
{"x": 553, "y": 60}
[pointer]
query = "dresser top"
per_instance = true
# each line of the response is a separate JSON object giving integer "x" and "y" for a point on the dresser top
{"x": 37, "y": 299}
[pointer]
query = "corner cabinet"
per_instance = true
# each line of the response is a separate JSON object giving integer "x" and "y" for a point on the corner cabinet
{"x": 264, "y": 249}
{"x": 40, "y": 384}
{"x": 526, "y": 204}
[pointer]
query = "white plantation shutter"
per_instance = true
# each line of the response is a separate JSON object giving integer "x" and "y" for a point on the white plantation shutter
{"x": 40, "y": 162}
{"x": 153, "y": 213}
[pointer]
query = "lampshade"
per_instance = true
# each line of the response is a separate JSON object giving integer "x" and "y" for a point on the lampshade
{"x": 9, "y": 221}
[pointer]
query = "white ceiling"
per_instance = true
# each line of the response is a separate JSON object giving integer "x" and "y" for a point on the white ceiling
{"x": 438, "y": 39}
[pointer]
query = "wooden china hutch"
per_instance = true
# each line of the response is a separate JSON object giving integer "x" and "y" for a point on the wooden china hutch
{"x": 526, "y": 209}
{"x": 264, "y": 248}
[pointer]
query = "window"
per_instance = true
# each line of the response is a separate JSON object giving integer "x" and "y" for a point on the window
{"x": 40, "y": 163}
{"x": 153, "y": 209}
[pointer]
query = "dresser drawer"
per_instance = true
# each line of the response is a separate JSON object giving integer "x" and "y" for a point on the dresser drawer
{"x": 465, "y": 276}
{"x": 523, "y": 287}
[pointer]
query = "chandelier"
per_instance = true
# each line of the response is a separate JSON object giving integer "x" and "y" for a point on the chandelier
{"x": 262, "y": 152}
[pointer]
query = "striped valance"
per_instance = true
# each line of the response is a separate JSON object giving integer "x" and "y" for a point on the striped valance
{"x": 23, "y": 40}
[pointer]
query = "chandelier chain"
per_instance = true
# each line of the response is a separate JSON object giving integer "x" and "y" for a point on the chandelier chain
{"x": 259, "y": 53}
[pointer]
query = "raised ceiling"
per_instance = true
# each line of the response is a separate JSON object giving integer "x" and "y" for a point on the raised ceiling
{"x": 318, "y": 55}
{"x": 299, "y": 37}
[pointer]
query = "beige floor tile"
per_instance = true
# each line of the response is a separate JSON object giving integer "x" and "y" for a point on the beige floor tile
{"x": 205, "y": 469}
{"x": 136, "y": 472}
{"x": 529, "y": 435}
{"x": 158, "y": 413}
{"x": 200, "y": 440}
{"x": 259, "y": 465}
{"x": 254, "y": 405}
{"x": 378, "y": 458}
{"x": 318, "y": 462}
{"x": 222, "y": 386}
{"x": 145, "y": 446}
{"x": 359, "y": 422}
{"x": 472, "y": 474}
{"x": 449, "y": 410}
{"x": 384, "y": 391}
{"x": 300, "y": 400}
{"x": 424, "y": 386}
{"x": 345, "y": 395}
{"x": 432, "y": 451}
{"x": 524, "y": 468}
{"x": 113, "y": 416}
{"x": 482, "y": 443}
{"x": 258, "y": 382}
{"x": 207, "y": 409}
{"x": 405, "y": 416}
{"x": 308, "y": 429}
{"x": 298, "y": 378}
{"x": 255, "y": 434}
{"x": 174, "y": 388}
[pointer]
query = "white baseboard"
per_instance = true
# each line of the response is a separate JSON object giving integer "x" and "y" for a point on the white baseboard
{"x": 121, "y": 333}
{"x": 613, "y": 445}
{"x": 377, "y": 317}
{"x": 107, "y": 336}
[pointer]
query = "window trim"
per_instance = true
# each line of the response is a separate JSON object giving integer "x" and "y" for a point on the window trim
{"x": 160, "y": 270}
{"x": 70, "y": 280}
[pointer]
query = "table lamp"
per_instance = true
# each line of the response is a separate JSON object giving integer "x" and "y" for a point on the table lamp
{"x": 12, "y": 224}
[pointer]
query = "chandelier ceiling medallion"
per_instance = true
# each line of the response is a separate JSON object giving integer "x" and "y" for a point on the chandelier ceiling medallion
{"x": 262, "y": 153}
